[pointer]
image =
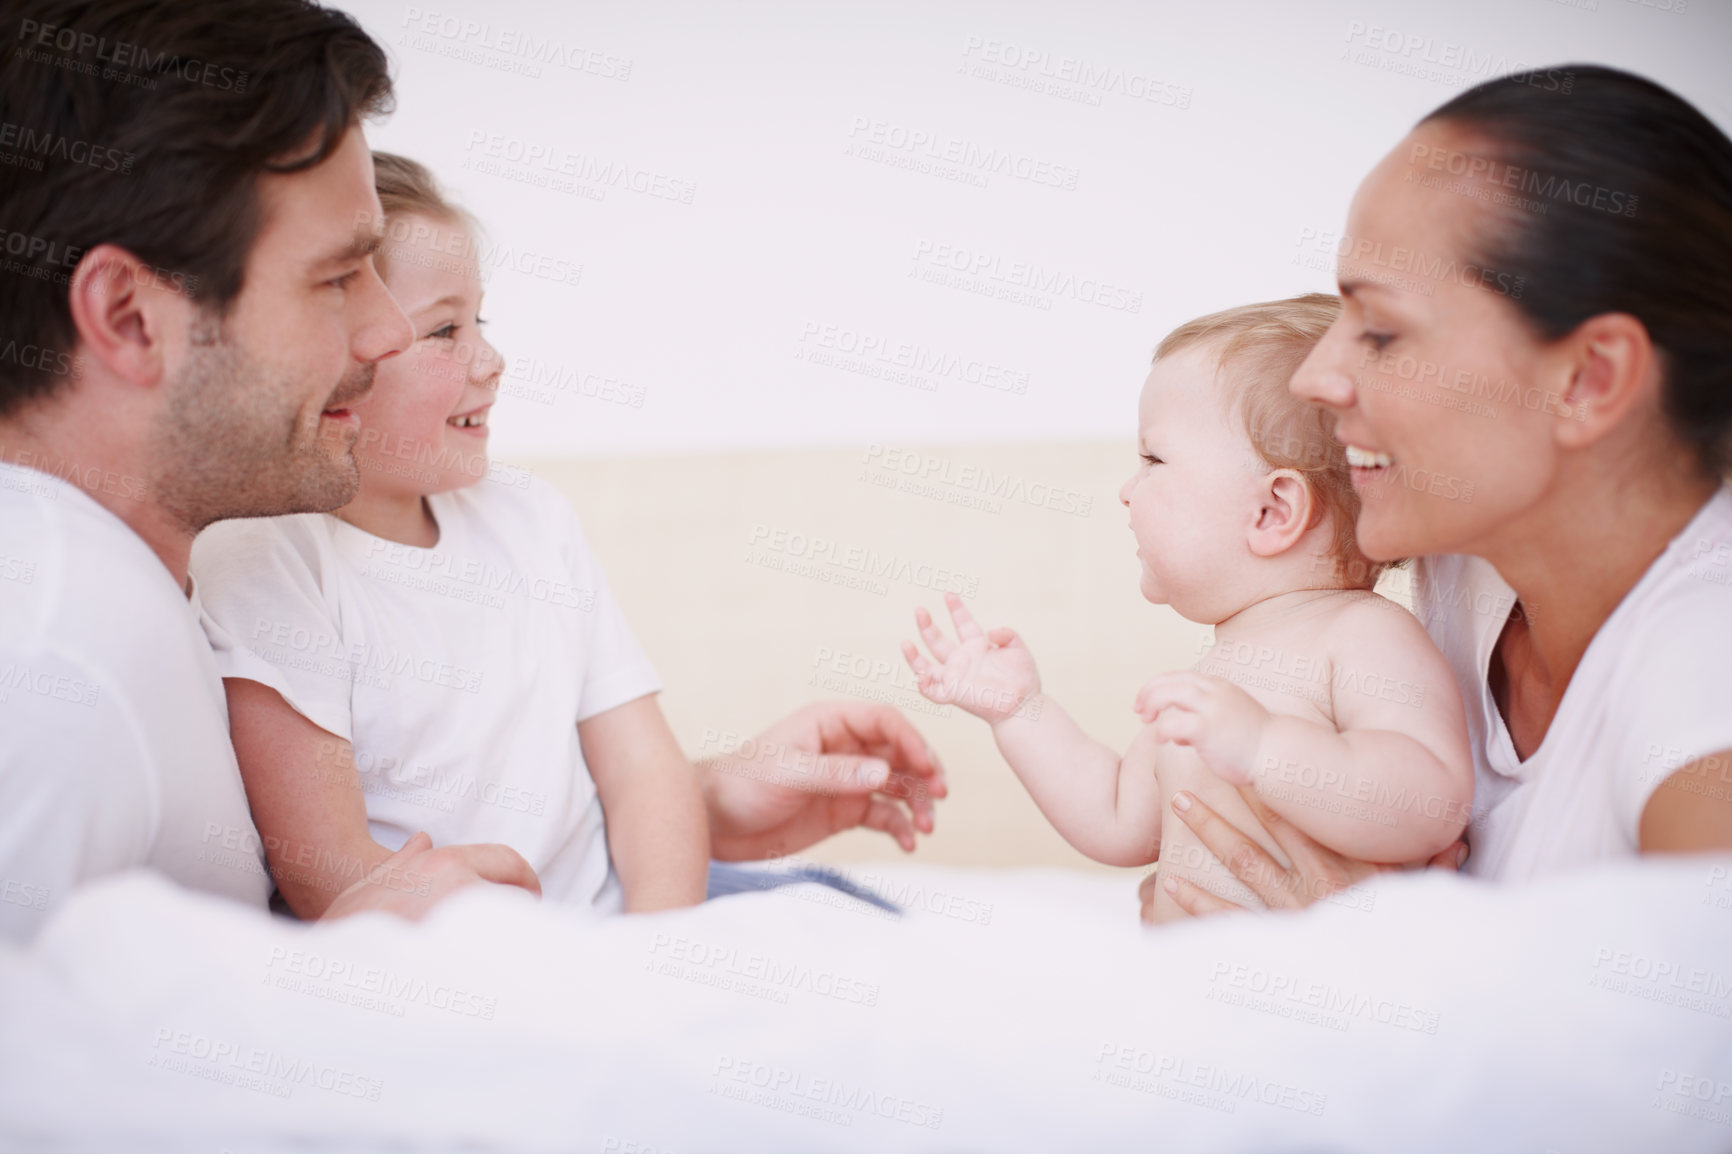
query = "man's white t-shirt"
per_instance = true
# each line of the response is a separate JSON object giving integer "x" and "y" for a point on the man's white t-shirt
{"x": 114, "y": 740}
{"x": 458, "y": 673}
{"x": 1652, "y": 693}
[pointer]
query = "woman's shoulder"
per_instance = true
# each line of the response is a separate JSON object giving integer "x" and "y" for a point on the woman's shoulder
{"x": 1683, "y": 603}
{"x": 1658, "y": 664}
{"x": 1703, "y": 550}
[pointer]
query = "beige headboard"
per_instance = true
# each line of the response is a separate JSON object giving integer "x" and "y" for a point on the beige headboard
{"x": 718, "y": 563}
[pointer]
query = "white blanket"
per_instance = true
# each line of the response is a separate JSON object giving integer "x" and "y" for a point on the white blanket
{"x": 1011, "y": 1011}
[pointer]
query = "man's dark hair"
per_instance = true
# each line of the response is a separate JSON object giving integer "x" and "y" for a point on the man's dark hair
{"x": 146, "y": 124}
{"x": 1638, "y": 220}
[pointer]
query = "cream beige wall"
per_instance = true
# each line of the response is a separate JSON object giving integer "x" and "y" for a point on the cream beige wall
{"x": 737, "y": 643}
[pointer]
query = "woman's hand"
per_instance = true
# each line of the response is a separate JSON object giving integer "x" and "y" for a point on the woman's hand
{"x": 987, "y": 673}
{"x": 1317, "y": 870}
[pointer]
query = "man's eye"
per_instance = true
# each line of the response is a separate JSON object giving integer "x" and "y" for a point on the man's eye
{"x": 444, "y": 332}
{"x": 1150, "y": 458}
{"x": 344, "y": 280}
{"x": 1378, "y": 341}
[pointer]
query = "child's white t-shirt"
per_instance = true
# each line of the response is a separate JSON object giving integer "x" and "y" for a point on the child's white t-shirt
{"x": 458, "y": 673}
{"x": 1652, "y": 693}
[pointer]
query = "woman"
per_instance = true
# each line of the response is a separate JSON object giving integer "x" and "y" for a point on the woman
{"x": 1533, "y": 375}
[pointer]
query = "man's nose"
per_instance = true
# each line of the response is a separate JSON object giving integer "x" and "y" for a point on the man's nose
{"x": 385, "y": 329}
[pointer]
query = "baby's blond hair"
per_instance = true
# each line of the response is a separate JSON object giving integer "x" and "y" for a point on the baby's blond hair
{"x": 1257, "y": 349}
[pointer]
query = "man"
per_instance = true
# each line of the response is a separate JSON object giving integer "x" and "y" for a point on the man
{"x": 187, "y": 309}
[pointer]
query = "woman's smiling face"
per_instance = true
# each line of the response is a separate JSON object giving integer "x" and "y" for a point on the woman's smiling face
{"x": 1445, "y": 398}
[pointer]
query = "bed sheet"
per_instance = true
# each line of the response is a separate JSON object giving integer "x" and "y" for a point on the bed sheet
{"x": 1005, "y": 1011}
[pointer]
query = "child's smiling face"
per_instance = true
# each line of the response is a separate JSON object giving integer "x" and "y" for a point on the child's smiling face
{"x": 424, "y": 427}
{"x": 1195, "y": 496}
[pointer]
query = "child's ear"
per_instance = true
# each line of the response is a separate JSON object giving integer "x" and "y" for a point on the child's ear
{"x": 1285, "y": 513}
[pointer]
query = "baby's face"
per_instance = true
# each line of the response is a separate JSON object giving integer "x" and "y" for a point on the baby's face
{"x": 1195, "y": 495}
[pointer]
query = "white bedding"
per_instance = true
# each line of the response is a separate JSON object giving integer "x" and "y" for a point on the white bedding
{"x": 1011, "y": 1011}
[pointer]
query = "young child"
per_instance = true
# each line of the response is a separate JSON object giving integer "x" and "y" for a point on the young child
{"x": 443, "y": 652}
{"x": 1321, "y": 697}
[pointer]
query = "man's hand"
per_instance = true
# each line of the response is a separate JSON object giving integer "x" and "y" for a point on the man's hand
{"x": 828, "y": 767}
{"x": 987, "y": 673}
{"x": 1222, "y": 722}
{"x": 417, "y": 877}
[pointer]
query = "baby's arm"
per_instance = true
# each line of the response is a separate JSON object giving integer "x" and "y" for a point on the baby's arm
{"x": 658, "y": 831}
{"x": 1106, "y": 806}
{"x": 1392, "y": 782}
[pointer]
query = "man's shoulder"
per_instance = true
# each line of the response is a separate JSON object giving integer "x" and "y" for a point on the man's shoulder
{"x": 71, "y": 569}
{"x": 102, "y": 664}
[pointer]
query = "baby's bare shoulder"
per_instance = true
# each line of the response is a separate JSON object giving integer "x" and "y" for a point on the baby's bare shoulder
{"x": 1382, "y": 662}
{"x": 1357, "y": 623}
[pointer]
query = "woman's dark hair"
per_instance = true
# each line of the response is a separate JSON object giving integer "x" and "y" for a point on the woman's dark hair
{"x": 1634, "y": 215}
{"x": 146, "y": 124}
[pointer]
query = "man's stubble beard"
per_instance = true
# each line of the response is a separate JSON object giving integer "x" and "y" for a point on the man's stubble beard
{"x": 234, "y": 441}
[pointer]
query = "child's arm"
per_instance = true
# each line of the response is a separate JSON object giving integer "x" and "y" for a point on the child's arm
{"x": 658, "y": 831}
{"x": 1106, "y": 806}
{"x": 1395, "y": 784}
{"x": 305, "y": 795}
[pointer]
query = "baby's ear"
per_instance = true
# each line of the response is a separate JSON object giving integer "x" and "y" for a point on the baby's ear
{"x": 1285, "y": 512}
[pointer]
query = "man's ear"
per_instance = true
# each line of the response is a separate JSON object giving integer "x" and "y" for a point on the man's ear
{"x": 1607, "y": 367}
{"x": 120, "y": 309}
{"x": 1285, "y": 512}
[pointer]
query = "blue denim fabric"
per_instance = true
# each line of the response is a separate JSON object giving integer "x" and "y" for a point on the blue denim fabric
{"x": 729, "y": 878}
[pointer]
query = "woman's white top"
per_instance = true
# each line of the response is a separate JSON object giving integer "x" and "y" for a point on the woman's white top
{"x": 1653, "y": 692}
{"x": 458, "y": 673}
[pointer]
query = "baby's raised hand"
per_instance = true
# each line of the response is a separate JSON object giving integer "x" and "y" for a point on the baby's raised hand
{"x": 990, "y": 674}
{"x": 1222, "y": 722}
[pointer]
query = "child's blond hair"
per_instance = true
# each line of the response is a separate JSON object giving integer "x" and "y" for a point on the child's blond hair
{"x": 1257, "y": 349}
{"x": 408, "y": 187}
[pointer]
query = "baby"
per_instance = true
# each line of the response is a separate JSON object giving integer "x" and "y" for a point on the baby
{"x": 1325, "y": 700}
{"x": 443, "y": 652}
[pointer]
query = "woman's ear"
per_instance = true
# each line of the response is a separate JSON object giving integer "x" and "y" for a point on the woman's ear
{"x": 1285, "y": 512}
{"x": 1611, "y": 368}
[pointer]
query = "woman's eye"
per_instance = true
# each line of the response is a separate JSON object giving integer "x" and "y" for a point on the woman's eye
{"x": 443, "y": 332}
{"x": 1378, "y": 341}
{"x": 1149, "y": 458}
